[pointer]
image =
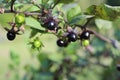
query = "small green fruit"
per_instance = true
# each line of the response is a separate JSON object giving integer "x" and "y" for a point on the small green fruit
{"x": 85, "y": 42}
{"x": 37, "y": 43}
{"x": 19, "y": 19}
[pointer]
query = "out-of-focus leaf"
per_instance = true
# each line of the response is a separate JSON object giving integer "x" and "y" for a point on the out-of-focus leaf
{"x": 82, "y": 62}
{"x": 55, "y": 57}
{"x": 42, "y": 56}
{"x": 71, "y": 49}
{"x": 11, "y": 66}
{"x": 43, "y": 76}
{"x": 45, "y": 1}
{"x": 117, "y": 34}
{"x": 103, "y": 24}
{"x": 99, "y": 46}
{"x": 15, "y": 57}
{"x": 104, "y": 11}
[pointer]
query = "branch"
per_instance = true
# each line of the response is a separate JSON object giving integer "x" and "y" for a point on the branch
{"x": 26, "y": 13}
{"x": 12, "y": 5}
{"x": 102, "y": 37}
{"x": 114, "y": 43}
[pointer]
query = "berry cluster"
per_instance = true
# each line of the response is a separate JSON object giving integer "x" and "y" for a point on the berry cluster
{"x": 16, "y": 27}
{"x": 73, "y": 36}
{"x": 70, "y": 37}
{"x": 51, "y": 24}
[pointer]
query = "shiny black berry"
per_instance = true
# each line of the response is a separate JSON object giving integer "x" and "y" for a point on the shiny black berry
{"x": 72, "y": 37}
{"x": 11, "y": 35}
{"x": 85, "y": 35}
{"x": 118, "y": 67}
{"x": 50, "y": 24}
{"x": 61, "y": 43}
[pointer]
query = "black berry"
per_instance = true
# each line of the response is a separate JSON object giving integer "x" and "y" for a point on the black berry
{"x": 85, "y": 35}
{"x": 72, "y": 37}
{"x": 61, "y": 43}
{"x": 50, "y": 24}
{"x": 11, "y": 35}
{"x": 118, "y": 67}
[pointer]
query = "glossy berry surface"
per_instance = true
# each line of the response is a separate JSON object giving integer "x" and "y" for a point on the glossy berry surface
{"x": 61, "y": 43}
{"x": 11, "y": 35}
{"x": 50, "y": 24}
{"x": 72, "y": 37}
{"x": 85, "y": 35}
{"x": 118, "y": 67}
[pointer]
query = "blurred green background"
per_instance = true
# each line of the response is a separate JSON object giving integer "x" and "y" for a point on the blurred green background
{"x": 92, "y": 71}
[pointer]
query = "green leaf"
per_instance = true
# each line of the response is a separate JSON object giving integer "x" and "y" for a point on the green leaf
{"x": 33, "y": 8}
{"x": 55, "y": 57}
{"x": 42, "y": 57}
{"x": 103, "y": 24}
{"x": 104, "y": 11}
{"x": 80, "y": 20}
{"x": 73, "y": 12}
{"x": 43, "y": 76}
{"x": 4, "y": 19}
{"x": 45, "y": 1}
{"x": 35, "y": 31}
{"x": 33, "y": 23}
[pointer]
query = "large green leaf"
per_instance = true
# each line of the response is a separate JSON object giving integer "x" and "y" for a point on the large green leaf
{"x": 103, "y": 24}
{"x": 80, "y": 19}
{"x": 33, "y": 23}
{"x": 104, "y": 11}
{"x": 75, "y": 11}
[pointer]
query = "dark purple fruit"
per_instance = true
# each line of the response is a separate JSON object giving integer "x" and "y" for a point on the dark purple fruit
{"x": 85, "y": 35}
{"x": 11, "y": 35}
{"x": 50, "y": 24}
{"x": 72, "y": 37}
{"x": 118, "y": 67}
{"x": 61, "y": 43}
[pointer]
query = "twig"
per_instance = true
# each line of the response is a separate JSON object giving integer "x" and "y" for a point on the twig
{"x": 26, "y": 13}
{"x": 12, "y": 5}
{"x": 102, "y": 37}
{"x": 55, "y": 4}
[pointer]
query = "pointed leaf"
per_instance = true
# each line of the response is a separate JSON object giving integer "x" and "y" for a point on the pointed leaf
{"x": 104, "y": 11}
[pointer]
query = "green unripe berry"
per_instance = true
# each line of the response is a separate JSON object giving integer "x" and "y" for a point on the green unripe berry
{"x": 85, "y": 42}
{"x": 37, "y": 43}
{"x": 19, "y": 19}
